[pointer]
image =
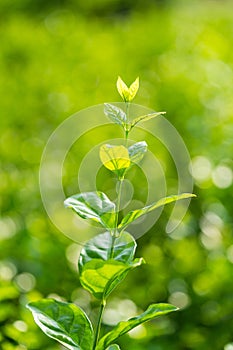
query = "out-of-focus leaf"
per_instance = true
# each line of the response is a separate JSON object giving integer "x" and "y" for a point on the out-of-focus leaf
{"x": 8, "y": 291}
{"x": 7, "y": 311}
{"x": 137, "y": 151}
{"x": 127, "y": 93}
{"x": 116, "y": 114}
{"x": 135, "y": 214}
{"x": 114, "y": 158}
{"x": 154, "y": 310}
{"x": 105, "y": 247}
{"x": 95, "y": 206}
{"x": 64, "y": 322}
{"x": 100, "y": 277}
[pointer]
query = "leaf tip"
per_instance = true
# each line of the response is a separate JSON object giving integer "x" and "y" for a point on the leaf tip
{"x": 191, "y": 195}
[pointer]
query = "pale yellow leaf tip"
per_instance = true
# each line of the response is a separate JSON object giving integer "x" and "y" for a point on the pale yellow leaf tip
{"x": 127, "y": 93}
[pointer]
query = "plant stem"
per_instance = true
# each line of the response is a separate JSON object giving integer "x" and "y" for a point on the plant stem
{"x": 120, "y": 182}
{"x": 126, "y": 137}
{"x": 118, "y": 203}
{"x": 127, "y": 110}
{"x": 127, "y": 123}
{"x": 97, "y": 332}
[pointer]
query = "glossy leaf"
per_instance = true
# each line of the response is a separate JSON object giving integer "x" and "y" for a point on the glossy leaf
{"x": 113, "y": 347}
{"x": 64, "y": 322}
{"x": 114, "y": 158}
{"x": 135, "y": 214}
{"x": 137, "y": 151}
{"x": 116, "y": 114}
{"x": 144, "y": 118}
{"x": 95, "y": 206}
{"x": 100, "y": 247}
{"x": 154, "y": 310}
{"x": 100, "y": 277}
{"x": 127, "y": 93}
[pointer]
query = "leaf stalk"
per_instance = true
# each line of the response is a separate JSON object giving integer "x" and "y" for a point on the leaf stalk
{"x": 97, "y": 332}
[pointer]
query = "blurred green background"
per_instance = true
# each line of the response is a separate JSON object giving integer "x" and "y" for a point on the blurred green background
{"x": 58, "y": 57}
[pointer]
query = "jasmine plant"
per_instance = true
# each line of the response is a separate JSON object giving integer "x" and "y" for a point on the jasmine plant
{"x": 106, "y": 259}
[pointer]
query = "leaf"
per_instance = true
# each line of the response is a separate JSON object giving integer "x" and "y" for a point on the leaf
{"x": 154, "y": 310}
{"x": 114, "y": 347}
{"x": 144, "y": 118}
{"x": 114, "y": 158}
{"x": 127, "y": 93}
{"x": 137, "y": 151}
{"x": 64, "y": 322}
{"x": 135, "y": 214}
{"x": 95, "y": 206}
{"x": 117, "y": 115}
{"x": 100, "y": 247}
{"x": 100, "y": 277}
{"x": 122, "y": 89}
{"x": 133, "y": 89}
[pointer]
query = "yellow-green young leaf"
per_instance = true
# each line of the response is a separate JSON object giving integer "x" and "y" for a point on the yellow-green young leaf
{"x": 133, "y": 89}
{"x": 114, "y": 157}
{"x": 127, "y": 93}
{"x": 123, "y": 89}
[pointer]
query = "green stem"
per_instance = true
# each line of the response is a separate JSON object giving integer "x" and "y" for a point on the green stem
{"x": 126, "y": 137}
{"x": 97, "y": 332}
{"x": 127, "y": 123}
{"x": 120, "y": 181}
{"x": 118, "y": 203}
{"x": 127, "y": 110}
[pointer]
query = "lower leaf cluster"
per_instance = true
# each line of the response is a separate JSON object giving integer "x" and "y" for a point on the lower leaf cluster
{"x": 104, "y": 262}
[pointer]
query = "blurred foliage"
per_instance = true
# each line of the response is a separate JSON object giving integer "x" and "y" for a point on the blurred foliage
{"x": 58, "y": 57}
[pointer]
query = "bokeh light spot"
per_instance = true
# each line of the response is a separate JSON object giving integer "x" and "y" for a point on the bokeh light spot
{"x": 222, "y": 176}
{"x": 20, "y": 326}
{"x": 118, "y": 310}
{"x": 25, "y": 281}
{"x": 180, "y": 299}
{"x": 201, "y": 168}
{"x": 228, "y": 346}
{"x": 7, "y": 270}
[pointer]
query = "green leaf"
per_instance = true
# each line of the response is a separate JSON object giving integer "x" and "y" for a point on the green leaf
{"x": 95, "y": 206}
{"x": 144, "y": 118}
{"x": 100, "y": 247}
{"x": 114, "y": 158}
{"x": 116, "y": 114}
{"x": 135, "y": 214}
{"x": 137, "y": 151}
{"x": 127, "y": 93}
{"x": 64, "y": 322}
{"x": 123, "y": 327}
{"x": 100, "y": 277}
{"x": 114, "y": 347}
